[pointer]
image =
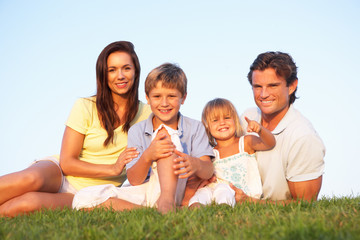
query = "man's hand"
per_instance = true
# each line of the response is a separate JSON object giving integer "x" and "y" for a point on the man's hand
{"x": 240, "y": 196}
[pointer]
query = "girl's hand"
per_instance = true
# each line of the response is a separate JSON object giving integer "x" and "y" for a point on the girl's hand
{"x": 125, "y": 157}
{"x": 207, "y": 181}
{"x": 253, "y": 126}
{"x": 184, "y": 165}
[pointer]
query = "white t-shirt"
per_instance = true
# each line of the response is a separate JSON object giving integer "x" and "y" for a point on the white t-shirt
{"x": 297, "y": 156}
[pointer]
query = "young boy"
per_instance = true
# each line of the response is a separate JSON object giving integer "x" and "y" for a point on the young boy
{"x": 165, "y": 89}
{"x": 170, "y": 149}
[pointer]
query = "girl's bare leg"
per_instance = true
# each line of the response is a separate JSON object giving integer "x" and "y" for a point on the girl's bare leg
{"x": 32, "y": 201}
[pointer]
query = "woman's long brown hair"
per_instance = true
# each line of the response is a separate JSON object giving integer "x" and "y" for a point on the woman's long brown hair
{"x": 104, "y": 101}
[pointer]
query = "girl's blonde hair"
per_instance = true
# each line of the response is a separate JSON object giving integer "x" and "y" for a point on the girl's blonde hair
{"x": 218, "y": 107}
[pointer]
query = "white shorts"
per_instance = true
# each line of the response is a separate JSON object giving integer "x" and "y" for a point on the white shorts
{"x": 220, "y": 193}
{"x": 65, "y": 187}
{"x": 145, "y": 194}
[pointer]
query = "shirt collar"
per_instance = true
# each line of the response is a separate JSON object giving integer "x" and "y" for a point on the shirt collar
{"x": 149, "y": 129}
{"x": 289, "y": 117}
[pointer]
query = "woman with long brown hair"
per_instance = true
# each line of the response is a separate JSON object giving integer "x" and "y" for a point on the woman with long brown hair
{"x": 93, "y": 149}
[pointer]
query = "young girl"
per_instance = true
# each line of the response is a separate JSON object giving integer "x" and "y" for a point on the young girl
{"x": 235, "y": 160}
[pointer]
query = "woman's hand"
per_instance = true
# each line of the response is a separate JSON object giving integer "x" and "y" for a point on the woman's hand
{"x": 125, "y": 157}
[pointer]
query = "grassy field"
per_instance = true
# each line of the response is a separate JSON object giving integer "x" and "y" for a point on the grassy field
{"x": 329, "y": 218}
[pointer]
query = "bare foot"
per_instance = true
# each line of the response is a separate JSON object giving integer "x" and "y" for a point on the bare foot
{"x": 164, "y": 205}
{"x": 195, "y": 205}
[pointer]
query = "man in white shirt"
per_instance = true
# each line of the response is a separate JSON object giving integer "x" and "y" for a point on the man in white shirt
{"x": 293, "y": 169}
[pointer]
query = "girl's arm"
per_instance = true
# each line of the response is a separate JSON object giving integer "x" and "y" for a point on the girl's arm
{"x": 265, "y": 140}
{"x": 71, "y": 164}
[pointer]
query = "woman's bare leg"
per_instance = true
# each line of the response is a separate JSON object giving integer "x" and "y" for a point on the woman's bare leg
{"x": 116, "y": 204}
{"x": 43, "y": 176}
{"x": 33, "y": 201}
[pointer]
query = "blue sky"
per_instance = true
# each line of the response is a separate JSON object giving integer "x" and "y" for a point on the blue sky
{"x": 48, "y": 51}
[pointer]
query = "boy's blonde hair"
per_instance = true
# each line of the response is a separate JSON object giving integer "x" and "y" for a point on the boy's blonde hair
{"x": 170, "y": 75}
{"x": 218, "y": 107}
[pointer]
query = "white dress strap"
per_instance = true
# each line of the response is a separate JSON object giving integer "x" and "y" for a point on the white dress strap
{"x": 241, "y": 144}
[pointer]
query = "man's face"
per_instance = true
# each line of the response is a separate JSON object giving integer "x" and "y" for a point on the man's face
{"x": 271, "y": 94}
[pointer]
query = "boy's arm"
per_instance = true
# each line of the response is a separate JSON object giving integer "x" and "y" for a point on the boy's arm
{"x": 186, "y": 165}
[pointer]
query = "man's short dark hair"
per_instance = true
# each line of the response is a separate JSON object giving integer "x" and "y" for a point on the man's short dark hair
{"x": 282, "y": 63}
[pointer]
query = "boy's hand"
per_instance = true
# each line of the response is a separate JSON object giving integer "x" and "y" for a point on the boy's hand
{"x": 160, "y": 147}
{"x": 185, "y": 165}
{"x": 124, "y": 158}
{"x": 253, "y": 126}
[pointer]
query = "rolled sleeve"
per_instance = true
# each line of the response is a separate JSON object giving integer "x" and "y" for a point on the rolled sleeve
{"x": 200, "y": 145}
{"x": 135, "y": 140}
{"x": 306, "y": 159}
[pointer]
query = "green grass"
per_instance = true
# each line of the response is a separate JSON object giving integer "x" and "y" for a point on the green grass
{"x": 328, "y": 218}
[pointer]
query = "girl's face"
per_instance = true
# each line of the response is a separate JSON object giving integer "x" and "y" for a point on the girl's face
{"x": 222, "y": 126}
{"x": 121, "y": 73}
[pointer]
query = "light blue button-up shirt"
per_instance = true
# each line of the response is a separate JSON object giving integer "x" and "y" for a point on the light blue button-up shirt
{"x": 192, "y": 136}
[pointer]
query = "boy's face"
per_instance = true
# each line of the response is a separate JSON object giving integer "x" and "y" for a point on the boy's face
{"x": 165, "y": 104}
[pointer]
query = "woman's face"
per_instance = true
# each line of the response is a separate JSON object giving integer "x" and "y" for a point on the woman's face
{"x": 120, "y": 73}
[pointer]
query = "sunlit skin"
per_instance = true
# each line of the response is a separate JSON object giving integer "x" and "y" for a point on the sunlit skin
{"x": 120, "y": 74}
{"x": 222, "y": 126}
{"x": 165, "y": 104}
{"x": 271, "y": 95}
